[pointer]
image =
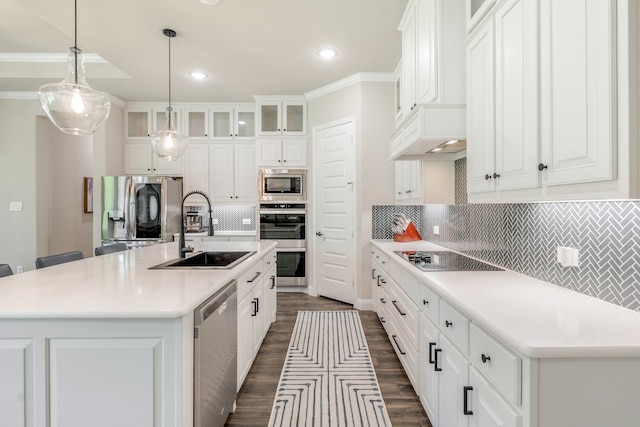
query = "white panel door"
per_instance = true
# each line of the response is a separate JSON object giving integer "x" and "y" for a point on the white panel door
{"x": 453, "y": 378}
{"x": 221, "y": 172}
{"x": 334, "y": 211}
{"x": 480, "y": 112}
{"x": 16, "y": 384}
{"x": 489, "y": 409}
{"x": 429, "y": 377}
{"x": 578, "y": 79}
{"x": 516, "y": 32}
{"x": 105, "y": 382}
{"x": 245, "y": 173}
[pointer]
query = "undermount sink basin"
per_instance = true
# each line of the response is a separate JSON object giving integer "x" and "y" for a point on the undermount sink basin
{"x": 206, "y": 260}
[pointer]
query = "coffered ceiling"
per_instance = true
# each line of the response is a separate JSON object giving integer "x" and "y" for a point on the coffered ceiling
{"x": 246, "y": 47}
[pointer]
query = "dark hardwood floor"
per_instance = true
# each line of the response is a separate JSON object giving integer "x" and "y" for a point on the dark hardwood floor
{"x": 256, "y": 395}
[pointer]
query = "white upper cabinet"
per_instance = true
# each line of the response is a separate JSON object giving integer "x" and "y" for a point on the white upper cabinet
{"x": 578, "y": 101}
{"x": 281, "y": 153}
{"x": 502, "y": 108}
{"x": 550, "y": 109}
{"x": 224, "y": 122}
{"x": 432, "y": 77}
{"x": 139, "y": 159}
{"x": 141, "y": 120}
{"x": 277, "y": 116}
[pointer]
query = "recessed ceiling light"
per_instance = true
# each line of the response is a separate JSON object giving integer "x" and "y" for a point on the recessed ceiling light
{"x": 327, "y": 53}
{"x": 198, "y": 75}
{"x": 209, "y": 1}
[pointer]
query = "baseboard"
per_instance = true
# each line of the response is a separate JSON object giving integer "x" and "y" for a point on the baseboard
{"x": 363, "y": 304}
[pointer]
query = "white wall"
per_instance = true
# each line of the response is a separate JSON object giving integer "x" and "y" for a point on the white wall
{"x": 372, "y": 105}
{"x": 25, "y": 138}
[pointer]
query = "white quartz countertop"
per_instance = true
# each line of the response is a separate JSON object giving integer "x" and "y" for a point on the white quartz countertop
{"x": 120, "y": 285}
{"x": 536, "y": 318}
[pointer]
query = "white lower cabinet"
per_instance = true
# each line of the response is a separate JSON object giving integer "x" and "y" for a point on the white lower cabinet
{"x": 454, "y": 380}
{"x": 256, "y": 311}
{"x": 487, "y": 408}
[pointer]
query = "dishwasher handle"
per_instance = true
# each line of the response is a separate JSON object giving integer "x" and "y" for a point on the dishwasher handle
{"x": 217, "y": 302}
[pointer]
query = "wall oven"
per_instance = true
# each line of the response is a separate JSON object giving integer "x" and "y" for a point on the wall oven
{"x": 282, "y": 184}
{"x": 285, "y": 223}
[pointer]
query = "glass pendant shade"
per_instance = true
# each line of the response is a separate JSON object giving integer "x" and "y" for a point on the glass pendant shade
{"x": 169, "y": 144}
{"x": 72, "y": 105}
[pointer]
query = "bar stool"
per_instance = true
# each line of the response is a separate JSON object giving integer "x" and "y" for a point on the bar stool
{"x": 109, "y": 249}
{"x": 48, "y": 261}
{"x": 5, "y": 270}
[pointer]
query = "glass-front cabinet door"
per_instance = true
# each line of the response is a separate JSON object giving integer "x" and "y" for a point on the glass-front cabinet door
{"x": 294, "y": 119}
{"x": 476, "y": 10}
{"x": 245, "y": 123}
{"x": 221, "y": 122}
{"x": 197, "y": 124}
{"x": 270, "y": 119}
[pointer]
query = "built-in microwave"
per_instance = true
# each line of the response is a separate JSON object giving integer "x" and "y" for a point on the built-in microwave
{"x": 282, "y": 184}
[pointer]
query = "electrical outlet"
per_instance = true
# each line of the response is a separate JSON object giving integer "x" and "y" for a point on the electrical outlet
{"x": 15, "y": 206}
{"x": 436, "y": 229}
{"x": 19, "y": 269}
{"x": 214, "y": 221}
{"x": 568, "y": 257}
{"x": 246, "y": 221}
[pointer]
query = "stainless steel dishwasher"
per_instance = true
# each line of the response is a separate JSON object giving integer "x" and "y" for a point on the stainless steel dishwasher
{"x": 215, "y": 357}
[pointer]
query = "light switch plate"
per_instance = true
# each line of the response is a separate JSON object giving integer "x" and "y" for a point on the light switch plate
{"x": 436, "y": 229}
{"x": 214, "y": 221}
{"x": 15, "y": 206}
{"x": 246, "y": 221}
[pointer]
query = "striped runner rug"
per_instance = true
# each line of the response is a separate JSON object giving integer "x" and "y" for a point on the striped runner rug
{"x": 328, "y": 378}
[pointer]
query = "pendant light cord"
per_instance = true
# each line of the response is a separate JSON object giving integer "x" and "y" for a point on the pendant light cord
{"x": 75, "y": 37}
{"x": 170, "y": 110}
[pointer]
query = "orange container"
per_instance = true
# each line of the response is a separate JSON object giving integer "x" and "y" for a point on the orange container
{"x": 409, "y": 235}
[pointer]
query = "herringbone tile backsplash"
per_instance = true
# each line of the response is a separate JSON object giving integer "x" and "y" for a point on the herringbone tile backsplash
{"x": 523, "y": 238}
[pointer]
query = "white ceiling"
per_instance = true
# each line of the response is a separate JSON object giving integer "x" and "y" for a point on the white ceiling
{"x": 247, "y": 47}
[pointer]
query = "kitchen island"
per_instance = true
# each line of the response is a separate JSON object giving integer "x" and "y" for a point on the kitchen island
{"x": 106, "y": 341}
{"x": 497, "y": 348}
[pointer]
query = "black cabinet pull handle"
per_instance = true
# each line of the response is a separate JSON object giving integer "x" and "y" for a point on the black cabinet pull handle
{"x": 255, "y": 307}
{"x": 395, "y": 304}
{"x": 487, "y": 177}
{"x": 541, "y": 167}
{"x": 384, "y": 282}
{"x": 496, "y": 175}
{"x": 373, "y": 273}
{"x": 379, "y": 280}
{"x": 447, "y": 323}
{"x": 425, "y": 302}
{"x": 382, "y": 320}
{"x": 382, "y": 300}
{"x": 399, "y": 349}
{"x": 465, "y": 397}
{"x": 258, "y": 273}
{"x": 431, "y": 360}
{"x": 273, "y": 282}
{"x": 435, "y": 359}
{"x": 485, "y": 358}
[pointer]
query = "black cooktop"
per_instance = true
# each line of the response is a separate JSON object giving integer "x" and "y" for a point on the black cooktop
{"x": 444, "y": 261}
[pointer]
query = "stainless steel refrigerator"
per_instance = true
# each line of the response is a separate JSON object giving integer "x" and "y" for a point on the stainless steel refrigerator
{"x": 140, "y": 210}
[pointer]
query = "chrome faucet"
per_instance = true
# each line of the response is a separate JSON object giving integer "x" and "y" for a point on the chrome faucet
{"x": 182, "y": 247}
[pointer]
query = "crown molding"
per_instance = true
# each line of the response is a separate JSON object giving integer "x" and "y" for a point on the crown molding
{"x": 349, "y": 81}
{"x": 48, "y": 57}
{"x": 34, "y": 96}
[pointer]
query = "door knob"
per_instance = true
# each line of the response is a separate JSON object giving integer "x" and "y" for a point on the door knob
{"x": 319, "y": 233}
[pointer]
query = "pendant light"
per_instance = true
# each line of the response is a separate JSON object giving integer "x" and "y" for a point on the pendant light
{"x": 72, "y": 105}
{"x": 169, "y": 144}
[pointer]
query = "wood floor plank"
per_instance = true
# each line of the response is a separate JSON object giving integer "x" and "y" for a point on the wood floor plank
{"x": 255, "y": 399}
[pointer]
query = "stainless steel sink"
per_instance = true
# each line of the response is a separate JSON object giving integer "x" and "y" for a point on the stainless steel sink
{"x": 205, "y": 260}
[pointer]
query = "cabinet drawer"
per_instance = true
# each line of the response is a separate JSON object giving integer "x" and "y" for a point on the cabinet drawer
{"x": 455, "y": 326}
{"x": 406, "y": 315}
{"x": 382, "y": 305}
{"x": 429, "y": 303}
{"x": 269, "y": 261}
{"x": 248, "y": 280}
{"x": 499, "y": 364}
{"x": 381, "y": 259}
{"x": 407, "y": 354}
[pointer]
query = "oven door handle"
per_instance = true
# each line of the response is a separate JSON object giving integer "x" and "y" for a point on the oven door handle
{"x": 283, "y": 212}
{"x": 278, "y": 249}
